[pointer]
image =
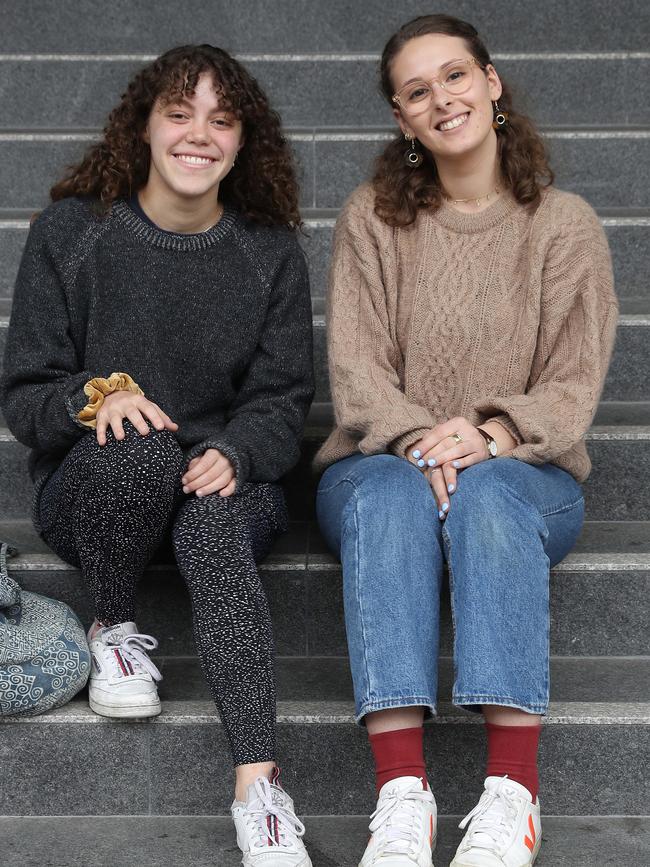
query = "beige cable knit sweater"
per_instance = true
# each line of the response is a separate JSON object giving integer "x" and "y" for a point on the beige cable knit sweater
{"x": 506, "y": 315}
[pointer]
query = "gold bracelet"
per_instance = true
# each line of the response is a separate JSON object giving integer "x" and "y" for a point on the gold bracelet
{"x": 97, "y": 389}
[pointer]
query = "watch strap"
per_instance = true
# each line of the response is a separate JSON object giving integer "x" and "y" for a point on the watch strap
{"x": 488, "y": 441}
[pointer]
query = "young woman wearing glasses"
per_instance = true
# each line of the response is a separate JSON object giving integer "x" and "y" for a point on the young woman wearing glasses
{"x": 159, "y": 366}
{"x": 471, "y": 321}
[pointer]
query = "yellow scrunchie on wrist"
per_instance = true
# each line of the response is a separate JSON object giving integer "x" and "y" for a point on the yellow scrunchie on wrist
{"x": 97, "y": 389}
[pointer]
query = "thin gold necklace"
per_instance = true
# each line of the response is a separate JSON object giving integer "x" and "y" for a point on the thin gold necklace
{"x": 212, "y": 223}
{"x": 475, "y": 199}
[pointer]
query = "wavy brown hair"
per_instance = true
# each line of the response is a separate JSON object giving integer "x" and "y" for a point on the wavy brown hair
{"x": 402, "y": 190}
{"x": 262, "y": 183}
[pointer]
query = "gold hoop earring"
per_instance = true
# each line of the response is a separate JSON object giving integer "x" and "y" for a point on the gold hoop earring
{"x": 413, "y": 158}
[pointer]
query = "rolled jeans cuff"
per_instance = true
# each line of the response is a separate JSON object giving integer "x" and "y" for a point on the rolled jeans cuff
{"x": 372, "y": 706}
{"x": 474, "y": 701}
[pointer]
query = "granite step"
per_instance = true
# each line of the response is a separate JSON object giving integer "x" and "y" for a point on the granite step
{"x": 588, "y": 680}
{"x": 333, "y": 162}
{"x": 628, "y": 233}
{"x": 89, "y": 26}
{"x": 620, "y": 456}
{"x": 627, "y": 377}
{"x": 332, "y": 841}
{"x": 329, "y": 90}
{"x": 608, "y": 570}
{"x": 179, "y": 764}
{"x": 581, "y": 160}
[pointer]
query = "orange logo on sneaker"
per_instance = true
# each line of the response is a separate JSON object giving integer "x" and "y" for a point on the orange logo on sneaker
{"x": 530, "y": 843}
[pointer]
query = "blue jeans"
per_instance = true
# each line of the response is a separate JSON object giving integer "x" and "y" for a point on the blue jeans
{"x": 509, "y": 522}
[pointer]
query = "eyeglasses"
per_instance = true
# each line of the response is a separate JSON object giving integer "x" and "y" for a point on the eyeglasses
{"x": 455, "y": 78}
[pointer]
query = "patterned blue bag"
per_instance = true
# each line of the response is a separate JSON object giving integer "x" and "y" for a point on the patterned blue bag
{"x": 44, "y": 657}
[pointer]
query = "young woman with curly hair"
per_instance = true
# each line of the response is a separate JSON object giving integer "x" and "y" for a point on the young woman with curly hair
{"x": 159, "y": 366}
{"x": 471, "y": 320}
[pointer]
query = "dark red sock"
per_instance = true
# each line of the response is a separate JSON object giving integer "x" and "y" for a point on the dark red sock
{"x": 512, "y": 750}
{"x": 398, "y": 753}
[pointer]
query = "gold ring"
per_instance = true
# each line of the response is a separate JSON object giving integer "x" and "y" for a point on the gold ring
{"x": 457, "y": 437}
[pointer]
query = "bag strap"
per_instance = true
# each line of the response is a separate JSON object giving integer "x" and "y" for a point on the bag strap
{"x": 9, "y": 589}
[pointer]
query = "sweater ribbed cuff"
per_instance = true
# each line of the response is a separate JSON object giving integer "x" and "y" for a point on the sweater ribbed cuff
{"x": 237, "y": 460}
{"x": 506, "y": 422}
{"x": 405, "y": 441}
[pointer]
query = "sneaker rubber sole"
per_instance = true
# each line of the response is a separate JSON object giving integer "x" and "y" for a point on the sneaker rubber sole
{"x": 456, "y": 863}
{"x": 247, "y": 861}
{"x": 132, "y": 711}
{"x": 433, "y": 849}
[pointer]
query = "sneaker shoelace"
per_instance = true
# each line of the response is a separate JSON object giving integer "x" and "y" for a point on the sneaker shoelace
{"x": 492, "y": 819}
{"x": 396, "y": 818}
{"x": 271, "y": 820}
{"x": 129, "y": 656}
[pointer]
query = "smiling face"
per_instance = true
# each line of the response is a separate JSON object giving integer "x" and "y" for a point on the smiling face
{"x": 451, "y": 126}
{"x": 193, "y": 143}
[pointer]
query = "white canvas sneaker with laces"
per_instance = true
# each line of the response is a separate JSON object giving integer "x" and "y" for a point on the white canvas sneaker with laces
{"x": 269, "y": 833}
{"x": 122, "y": 677}
{"x": 403, "y": 826}
{"x": 503, "y": 829}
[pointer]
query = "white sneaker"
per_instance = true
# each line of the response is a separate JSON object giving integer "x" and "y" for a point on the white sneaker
{"x": 504, "y": 828}
{"x": 269, "y": 833}
{"x": 122, "y": 677}
{"x": 403, "y": 826}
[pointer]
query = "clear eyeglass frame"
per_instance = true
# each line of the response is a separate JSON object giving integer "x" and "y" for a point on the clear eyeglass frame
{"x": 422, "y": 104}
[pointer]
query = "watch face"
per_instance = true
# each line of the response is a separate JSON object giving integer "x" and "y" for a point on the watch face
{"x": 492, "y": 448}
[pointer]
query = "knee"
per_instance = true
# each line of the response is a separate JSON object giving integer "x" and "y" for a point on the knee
{"x": 156, "y": 443}
{"x": 386, "y": 496}
{"x": 487, "y": 506}
{"x": 484, "y": 487}
{"x": 388, "y": 479}
{"x": 153, "y": 461}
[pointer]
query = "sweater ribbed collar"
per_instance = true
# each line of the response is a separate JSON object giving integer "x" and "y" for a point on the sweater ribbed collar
{"x": 172, "y": 240}
{"x": 448, "y": 216}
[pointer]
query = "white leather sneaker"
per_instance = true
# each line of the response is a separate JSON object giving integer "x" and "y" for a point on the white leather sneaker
{"x": 122, "y": 677}
{"x": 503, "y": 829}
{"x": 403, "y": 826}
{"x": 269, "y": 833}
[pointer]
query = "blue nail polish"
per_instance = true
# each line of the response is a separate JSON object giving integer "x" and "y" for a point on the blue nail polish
{"x": 432, "y": 462}
{"x": 441, "y": 515}
{"x": 445, "y": 507}
{"x": 456, "y": 464}
{"x": 420, "y": 463}
{"x": 450, "y": 487}
{"x": 417, "y": 453}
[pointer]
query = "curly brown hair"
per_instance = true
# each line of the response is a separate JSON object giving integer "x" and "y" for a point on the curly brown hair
{"x": 401, "y": 190}
{"x": 262, "y": 183}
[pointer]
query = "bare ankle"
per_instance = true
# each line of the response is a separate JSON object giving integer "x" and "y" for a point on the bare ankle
{"x": 247, "y": 774}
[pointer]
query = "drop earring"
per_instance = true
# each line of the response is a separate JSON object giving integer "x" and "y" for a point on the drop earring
{"x": 413, "y": 158}
{"x": 500, "y": 117}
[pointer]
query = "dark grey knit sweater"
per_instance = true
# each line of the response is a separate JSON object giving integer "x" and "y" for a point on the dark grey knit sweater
{"x": 214, "y": 327}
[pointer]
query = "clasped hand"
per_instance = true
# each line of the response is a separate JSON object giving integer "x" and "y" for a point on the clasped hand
{"x": 440, "y": 457}
{"x": 206, "y": 474}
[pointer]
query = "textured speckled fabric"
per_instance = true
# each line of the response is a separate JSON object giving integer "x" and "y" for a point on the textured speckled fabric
{"x": 106, "y": 511}
{"x": 214, "y": 327}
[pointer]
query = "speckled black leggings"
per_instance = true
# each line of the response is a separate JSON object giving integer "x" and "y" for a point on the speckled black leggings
{"x": 106, "y": 510}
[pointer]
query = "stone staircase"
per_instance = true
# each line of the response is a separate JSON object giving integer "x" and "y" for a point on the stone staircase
{"x": 78, "y": 790}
